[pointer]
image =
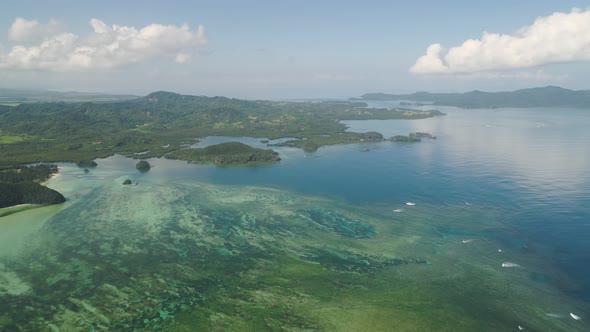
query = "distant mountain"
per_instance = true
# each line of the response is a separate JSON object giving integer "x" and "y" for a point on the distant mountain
{"x": 550, "y": 96}
{"x": 16, "y": 96}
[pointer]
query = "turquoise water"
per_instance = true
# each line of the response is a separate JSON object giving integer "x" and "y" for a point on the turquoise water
{"x": 496, "y": 186}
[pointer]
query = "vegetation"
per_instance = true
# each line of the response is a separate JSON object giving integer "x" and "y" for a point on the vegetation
{"x": 230, "y": 153}
{"x": 28, "y": 192}
{"x": 86, "y": 163}
{"x": 20, "y": 185}
{"x": 550, "y": 96}
{"x": 17, "y": 174}
{"x": 163, "y": 122}
{"x": 412, "y": 137}
{"x": 313, "y": 143}
{"x": 403, "y": 138}
{"x": 127, "y": 182}
{"x": 143, "y": 166}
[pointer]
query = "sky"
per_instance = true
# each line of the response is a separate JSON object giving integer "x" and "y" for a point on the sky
{"x": 293, "y": 49}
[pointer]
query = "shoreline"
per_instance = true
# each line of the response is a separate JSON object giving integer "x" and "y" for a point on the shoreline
{"x": 6, "y": 211}
{"x": 51, "y": 177}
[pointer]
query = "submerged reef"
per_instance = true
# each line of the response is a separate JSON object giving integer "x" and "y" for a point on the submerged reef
{"x": 335, "y": 222}
{"x": 199, "y": 257}
{"x": 342, "y": 260}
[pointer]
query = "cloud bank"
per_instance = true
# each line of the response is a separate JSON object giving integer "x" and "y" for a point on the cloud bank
{"x": 46, "y": 46}
{"x": 557, "y": 38}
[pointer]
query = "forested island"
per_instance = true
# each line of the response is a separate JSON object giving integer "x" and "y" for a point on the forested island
{"x": 163, "y": 122}
{"x": 550, "y": 96}
{"x": 312, "y": 144}
{"x": 230, "y": 153}
{"x": 21, "y": 185}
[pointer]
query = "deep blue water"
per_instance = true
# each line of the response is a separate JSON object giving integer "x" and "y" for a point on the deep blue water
{"x": 532, "y": 163}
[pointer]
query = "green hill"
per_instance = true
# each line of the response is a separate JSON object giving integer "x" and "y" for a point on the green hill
{"x": 163, "y": 122}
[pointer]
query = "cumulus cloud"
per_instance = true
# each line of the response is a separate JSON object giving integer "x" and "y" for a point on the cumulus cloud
{"x": 40, "y": 47}
{"x": 23, "y": 30}
{"x": 557, "y": 38}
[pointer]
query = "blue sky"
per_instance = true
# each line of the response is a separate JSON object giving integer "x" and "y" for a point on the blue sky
{"x": 291, "y": 49}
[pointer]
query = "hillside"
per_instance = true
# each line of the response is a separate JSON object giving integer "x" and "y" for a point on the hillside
{"x": 163, "y": 122}
{"x": 550, "y": 96}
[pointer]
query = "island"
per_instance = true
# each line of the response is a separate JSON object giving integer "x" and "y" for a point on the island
{"x": 22, "y": 185}
{"x": 230, "y": 153}
{"x": 85, "y": 163}
{"x": 412, "y": 137}
{"x": 312, "y": 143}
{"x": 165, "y": 122}
{"x": 127, "y": 182}
{"x": 550, "y": 96}
{"x": 143, "y": 166}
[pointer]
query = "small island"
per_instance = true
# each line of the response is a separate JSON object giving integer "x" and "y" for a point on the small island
{"x": 230, "y": 153}
{"x": 412, "y": 137}
{"x": 127, "y": 182}
{"x": 21, "y": 185}
{"x": 86, "y": 163}
{"x": 312, "y": 143}
{"x": 143, "y": 166}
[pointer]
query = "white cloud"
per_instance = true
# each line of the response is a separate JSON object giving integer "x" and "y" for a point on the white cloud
{"x": 557, "y": 38}
{"x": 23, "y": 30}
{"x": 182, "y": 58}
{"x": 106, "y": 47}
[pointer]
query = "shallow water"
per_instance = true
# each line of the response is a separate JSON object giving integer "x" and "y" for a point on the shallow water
{"x": 313, "y": 243}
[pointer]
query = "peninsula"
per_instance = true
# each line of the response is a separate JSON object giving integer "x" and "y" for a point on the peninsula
{"x": 21, "y": 185}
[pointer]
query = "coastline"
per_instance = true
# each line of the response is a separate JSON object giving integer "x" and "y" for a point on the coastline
{"x": 51, "y": 177}
{"x": 6, "y": 211}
